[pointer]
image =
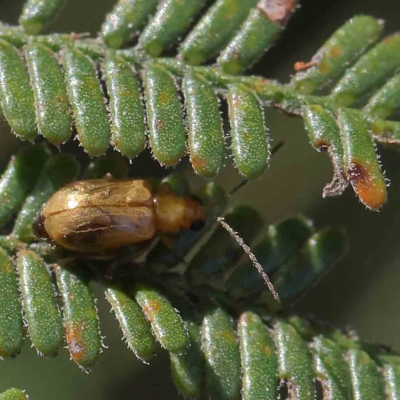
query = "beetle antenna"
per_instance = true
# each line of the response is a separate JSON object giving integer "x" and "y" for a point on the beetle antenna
{"x": 274, "y": 150}
{"x": 251, "y": 256}
{"x": 277, "y": 147}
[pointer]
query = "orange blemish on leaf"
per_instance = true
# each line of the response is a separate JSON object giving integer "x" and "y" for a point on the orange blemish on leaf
{"x": 227, "y": 335}
{"x": 151, "y": 308}
{"x": 164, "y": 98}
{"x": 336, "y": 51}
{"x": 267, "y": 351}
{"x": 371, "y": 192}
{"x": 198, "y": 163}
{"x": 301, "y": 65}
{"x": 92, "y": 84}
{"x": 75, "y": 342}
{"x": 324, "y": 68}
{"x": 7, "y": 268}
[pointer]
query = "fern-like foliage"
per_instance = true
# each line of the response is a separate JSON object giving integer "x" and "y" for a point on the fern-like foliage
{"x": 345, "y": 93}
{"x": 196, "y": 311}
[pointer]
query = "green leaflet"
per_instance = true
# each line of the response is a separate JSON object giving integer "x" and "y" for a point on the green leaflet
{"x": 361, "y": 162}
{"x": 304, "y": 268}
{"x": 170, "y": 21}
{"x": 166, "y": 323}
{"x": 51, "y": 101}
{"x": 16, "y": 96}
{"x": 214, "y": 30}
{"x": 250, "y": 141}
{"x": 222, "y": 357}
{"x": 125, "y": 19}
{"x": 166, "y": 127}
{"x": 294, "y": 364}
{"x": 369, "y": 72}
{"x": 39, "y": 303}
{"x": 385, "y": 102}
{"x": 258, "y": 32}
{"x": 366, "y": 379}
{"x": 187, "y": 368}
{"x": 391, "y": 374}
{"x": 132, "y": 321}
{"x": 331, "y": 369}
{"x": 206, "y": 136}
{"x": 38, "y": 14}
{"x": 10, "y": 309}
{"x": 324, "y": 135}
{"x": 338, "y": 52}
{"x": 279, "y": 243}
{"x": 128, "y": 130}
{"x": 258, "y": 359}
{"x": 87, "y": 101}
{"x": 80, "y": 316}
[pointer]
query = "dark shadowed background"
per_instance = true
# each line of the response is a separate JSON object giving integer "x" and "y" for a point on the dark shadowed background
{"x": 362, "y": 290}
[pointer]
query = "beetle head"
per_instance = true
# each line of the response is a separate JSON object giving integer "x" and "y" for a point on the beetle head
{"x": 175, "y": 213}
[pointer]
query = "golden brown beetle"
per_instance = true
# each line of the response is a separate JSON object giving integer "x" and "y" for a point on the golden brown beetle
{"x": 98, "y": 215}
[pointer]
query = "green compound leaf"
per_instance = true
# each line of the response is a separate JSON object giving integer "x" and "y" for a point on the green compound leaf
{"x": 181, "y": 97}
{"x": 214, "y": 348}
{"x": 218, "y": 347}
{"x": 228, "y": 39}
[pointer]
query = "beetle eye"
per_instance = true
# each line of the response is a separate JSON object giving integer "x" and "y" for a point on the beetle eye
{"x": 197, "y": 225}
